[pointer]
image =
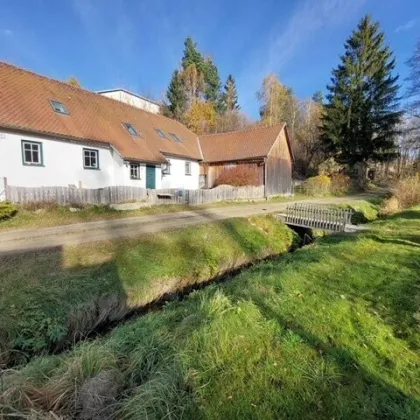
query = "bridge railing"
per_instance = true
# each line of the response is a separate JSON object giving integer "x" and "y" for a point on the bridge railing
{"x": 318, "y": 217}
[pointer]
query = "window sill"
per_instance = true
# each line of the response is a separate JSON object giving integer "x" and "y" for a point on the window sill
{"x": 92, "y": 169}
{"x": 35, "y": 165}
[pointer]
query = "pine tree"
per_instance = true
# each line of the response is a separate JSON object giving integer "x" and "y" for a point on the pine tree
{"x": 176, "y": 96}
{"x": 229, "y": 100}
{"x": 361, "y": 116}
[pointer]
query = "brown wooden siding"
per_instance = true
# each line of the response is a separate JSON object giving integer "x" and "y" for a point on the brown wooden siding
{"x": 213, "y": 170}
{"x": 279, "y": 168}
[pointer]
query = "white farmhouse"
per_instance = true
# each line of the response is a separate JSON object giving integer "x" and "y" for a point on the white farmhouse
{"x": 53, "y": 134}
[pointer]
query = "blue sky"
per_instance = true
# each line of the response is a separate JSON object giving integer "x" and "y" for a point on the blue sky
{"x": 137, "y": 44}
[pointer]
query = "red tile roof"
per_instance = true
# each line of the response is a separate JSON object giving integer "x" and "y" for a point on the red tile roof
{"x": 24, "y": 105}
{"x": 237, "y": 145}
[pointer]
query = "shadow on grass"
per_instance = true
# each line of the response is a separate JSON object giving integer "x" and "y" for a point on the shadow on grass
{"x": 53, "y": 298}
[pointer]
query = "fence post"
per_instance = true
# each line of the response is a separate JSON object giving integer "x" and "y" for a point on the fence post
{"x": 3, "y": 189}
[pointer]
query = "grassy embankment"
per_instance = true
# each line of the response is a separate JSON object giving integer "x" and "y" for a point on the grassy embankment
{"x": 58, "y": 295}
{"x": 330, "y": 331}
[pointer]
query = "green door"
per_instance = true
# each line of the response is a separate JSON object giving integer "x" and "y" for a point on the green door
{"x": 150, "y": 177}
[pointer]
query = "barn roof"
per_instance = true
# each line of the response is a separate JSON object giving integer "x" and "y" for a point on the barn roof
{"x": 25, "y": 106}
{"x": 240, "y": 145}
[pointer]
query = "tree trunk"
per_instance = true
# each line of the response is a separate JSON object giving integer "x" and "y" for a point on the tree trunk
{"x": 362, "y": 174}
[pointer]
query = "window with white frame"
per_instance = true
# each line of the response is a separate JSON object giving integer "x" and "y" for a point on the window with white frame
{"x": 32, "y": 153}
{"x": 166, "y": 168}
{"x": 90, "y": 159}
{"x": 187, "y": 168}
{"x": 134, "y": 171}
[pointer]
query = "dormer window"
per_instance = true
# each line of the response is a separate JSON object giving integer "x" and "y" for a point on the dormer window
{"x": 59, "y": 107}
{"x": 176, "y": 138}
{"x": 161, "y": 133}
{"x": 130, "y": 128}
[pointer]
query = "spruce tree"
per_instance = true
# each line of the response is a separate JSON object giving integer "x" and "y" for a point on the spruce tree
{"x": 230, "y": 95}
{"x": 361, "y": 115}
{"x": 176, "y": 96}
{"x": 192, "y": 55}
{"x": 212, "y": 81}
{"x": 318, "y": 97}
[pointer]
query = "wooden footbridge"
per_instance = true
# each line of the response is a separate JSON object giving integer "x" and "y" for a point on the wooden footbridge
{"x": 315, "y": 216}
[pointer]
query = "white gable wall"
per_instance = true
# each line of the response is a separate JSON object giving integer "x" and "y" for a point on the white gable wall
{"x": 133, "y": 100}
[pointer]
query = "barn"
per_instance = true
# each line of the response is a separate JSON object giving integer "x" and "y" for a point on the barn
{"x": 264, "y": 153}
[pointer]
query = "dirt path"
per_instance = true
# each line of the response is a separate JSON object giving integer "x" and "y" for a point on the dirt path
{"x": 74, "y": 234}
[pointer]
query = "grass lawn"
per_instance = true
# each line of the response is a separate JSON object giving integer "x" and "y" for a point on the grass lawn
{"x": 331, "y": 331}
{"x": 57, "y": 295}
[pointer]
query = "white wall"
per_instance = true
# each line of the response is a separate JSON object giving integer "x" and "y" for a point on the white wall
{"x": 63, "y": 166}
{"x": 177, "y": 177}
{"x": 133, "y": 100}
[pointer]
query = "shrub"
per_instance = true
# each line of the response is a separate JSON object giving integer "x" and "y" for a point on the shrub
{"x": 329, "y": 167}
{"x": 389, "y": 206}
{"x": 340, "y": 184}
{"x": 7, "y": 210}
{"x": 317, "y": 185}
{"x": 238, "y": 176}
{"x": 407, "y": 191}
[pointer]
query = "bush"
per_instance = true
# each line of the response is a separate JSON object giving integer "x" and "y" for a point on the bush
{"x": 329, "y": 167}
{"x": 7, "y": 210}
{"x": 340, "y": 184}
{"x": 389, "y": 207}
{"x": 407, "y": 191}
{"x": 317, "y": 185}
{"x": 238, "y": 176}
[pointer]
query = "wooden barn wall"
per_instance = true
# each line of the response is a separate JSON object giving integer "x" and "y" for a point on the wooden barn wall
{"x": 279, "y": 168}
{"x": 213, "y": 170}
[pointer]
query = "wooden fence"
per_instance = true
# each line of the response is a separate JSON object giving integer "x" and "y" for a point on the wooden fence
{"x": 122, "y": 194}
{"x": 316, "y": 216}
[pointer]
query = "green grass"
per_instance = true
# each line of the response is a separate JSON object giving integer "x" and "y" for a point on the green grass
{"x": 58, "y": 295}
{"x": 328, "y": 332}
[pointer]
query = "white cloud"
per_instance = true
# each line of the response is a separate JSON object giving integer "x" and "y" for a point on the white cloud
{"x": 6, "y": 32}
{"x": 407, "y": 26}
{"x": 288, "y": 39}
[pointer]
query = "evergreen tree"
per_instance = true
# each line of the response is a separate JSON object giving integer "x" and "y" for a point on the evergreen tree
{"x": 318, "y": 97}
{"x": 176, "y": 96}
{"x": 229, "y": 101}
{"x": 192, "y": 55}
{"x": 212, "y": 81}
{"x": 205, "y": 69}
{"x": 360, "y": 118}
